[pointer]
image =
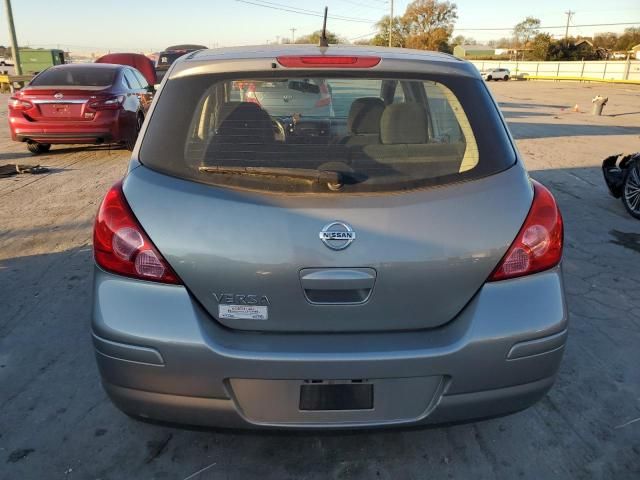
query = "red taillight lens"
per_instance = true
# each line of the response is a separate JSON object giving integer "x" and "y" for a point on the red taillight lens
{"x": 320, "y": 61}
{"x": 109, "y": 103}
{"x": 121, "y": 246}
{"x": 19, "y": 105}
{"x": 538, "y": 245}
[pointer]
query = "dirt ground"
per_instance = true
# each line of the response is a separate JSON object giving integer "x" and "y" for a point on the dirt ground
{"x": 56, "y": 422}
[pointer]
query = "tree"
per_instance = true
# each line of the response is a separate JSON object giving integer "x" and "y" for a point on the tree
{"x": 525, "y": 30}
{"x": 462, "y": 40}
{"x": 630, "y": 38}
{"x": 430, "y": 24}
{"x": 503, "y": 42}
{"x": 541, "y": 44}
{"x": 398, "y": 32}
{"x": 606, "y": 40}
{"x": 314, "y": 38}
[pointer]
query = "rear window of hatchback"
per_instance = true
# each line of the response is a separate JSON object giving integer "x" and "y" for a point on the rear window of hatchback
{"x": 380, "y": 133}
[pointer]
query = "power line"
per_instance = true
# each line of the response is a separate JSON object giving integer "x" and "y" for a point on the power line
{"x": 551, "y": 27}
{"x": 363, "y": 5}
{"x": 301, "y": 11}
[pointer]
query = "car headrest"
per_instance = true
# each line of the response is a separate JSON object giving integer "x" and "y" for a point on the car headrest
{"x": 364, "y": 115}
{"x": 404, "y": 123}
{"x": 244, "y": 122}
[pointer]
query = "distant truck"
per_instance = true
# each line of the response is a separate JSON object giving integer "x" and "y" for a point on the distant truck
{"x": 35, "y": 60}
{"x": 165, "y": 58}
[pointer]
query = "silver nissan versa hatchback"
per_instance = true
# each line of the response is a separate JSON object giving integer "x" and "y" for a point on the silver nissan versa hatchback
{"x": 384, "y": 261}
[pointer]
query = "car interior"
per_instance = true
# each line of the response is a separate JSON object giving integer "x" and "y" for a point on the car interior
{"x": 411, "y": 129}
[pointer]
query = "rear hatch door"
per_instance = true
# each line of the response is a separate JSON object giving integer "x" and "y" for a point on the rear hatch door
{"x": 416, "y": 260}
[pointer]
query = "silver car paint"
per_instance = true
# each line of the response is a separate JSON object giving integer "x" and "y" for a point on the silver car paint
{"x": 199, "y": 356}
{"x": 428, "y": 267}
{"x": 162, "y": 356}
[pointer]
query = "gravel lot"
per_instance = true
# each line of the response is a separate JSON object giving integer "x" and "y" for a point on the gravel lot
{"x": 55, "y": 421}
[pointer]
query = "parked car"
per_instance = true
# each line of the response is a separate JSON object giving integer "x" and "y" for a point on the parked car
{"x": 82, "y": 104}
{"x": 623, "y": 180}
{"x": 249, "y": 275}
{"x": 6, "y": 62}
{"x": 307, "y": 97}
{"x": 496, "y": 74}
{"x": 166, "y": 58}
{"x": 140, "y": 62}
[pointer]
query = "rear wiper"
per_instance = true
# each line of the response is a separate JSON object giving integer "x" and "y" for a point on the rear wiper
{"x": 333, "y": 179}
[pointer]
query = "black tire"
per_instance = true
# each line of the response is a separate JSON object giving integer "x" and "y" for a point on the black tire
{"x": 506, "y": 77}
{"x": 38, "y": 148}
{"x": 131, "y": 142}
{"x": 631, "y": 190}
{"x": 489, "y": 78}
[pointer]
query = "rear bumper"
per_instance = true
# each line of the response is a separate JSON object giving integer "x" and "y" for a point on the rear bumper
{"x": 161, "y": 356}
{"x": 67, "y": 137}
{"x": 100, "y": 130}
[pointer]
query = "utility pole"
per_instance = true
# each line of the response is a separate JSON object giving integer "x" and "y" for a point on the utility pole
{"x": 293, "y": 35}
{"x": 569, "y": 14}
{"x": 390, "y": 21}
{"x": 12, "y": 36}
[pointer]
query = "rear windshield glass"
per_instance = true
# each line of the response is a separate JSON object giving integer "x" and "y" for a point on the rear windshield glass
{"x": 330, "y": 133}
{"x": 76, "y": 76}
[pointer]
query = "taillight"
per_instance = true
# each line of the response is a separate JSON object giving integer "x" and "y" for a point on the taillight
{"x": 109, "y": 103}
{"x": 538, "y": 245}
{"x": 18, "y": 104}
{"x": 121, "y": 246}
{"x": 321, "y": 61}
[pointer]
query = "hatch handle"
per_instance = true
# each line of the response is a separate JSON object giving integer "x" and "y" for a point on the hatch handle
{"x": 338, "y": 278}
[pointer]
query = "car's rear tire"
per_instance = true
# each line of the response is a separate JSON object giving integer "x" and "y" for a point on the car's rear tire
{"x": 506, "y": 77}
{"x": 489, "y": 78}
{"x": 631, "y": 191}
{"x": 131, "y": 142}
{"x": 38, "y": 148}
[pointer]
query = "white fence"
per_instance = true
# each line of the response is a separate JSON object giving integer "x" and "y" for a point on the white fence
{"x": 599, "y": 69}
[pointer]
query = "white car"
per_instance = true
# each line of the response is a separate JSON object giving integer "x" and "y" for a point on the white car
{"x": 6, "y": 62}
{"x": 495, "y": 74}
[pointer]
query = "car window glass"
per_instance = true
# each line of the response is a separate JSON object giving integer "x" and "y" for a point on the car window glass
{"x": 329, "y": 123}
{"x": 141, "y": 80}
{"x": 132, "y": 80}
{"x": 76, "y": 76}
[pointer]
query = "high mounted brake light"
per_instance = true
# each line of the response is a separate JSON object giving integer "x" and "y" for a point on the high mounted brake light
{"x": 538, "y": 245}
{"x": 321, "y": 61}
{"x": 121, "y": 246}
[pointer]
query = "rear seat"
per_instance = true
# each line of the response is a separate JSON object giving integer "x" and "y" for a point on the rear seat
{"x": 245, "y": 136}
{"x": 405, "y": 147}
{"x": 363, "y": 122}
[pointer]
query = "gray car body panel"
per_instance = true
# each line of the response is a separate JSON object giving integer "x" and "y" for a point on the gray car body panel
{"x": 200, "y": 356}
{"x": 223, "y": 241}
{"x": 163, "y": 355}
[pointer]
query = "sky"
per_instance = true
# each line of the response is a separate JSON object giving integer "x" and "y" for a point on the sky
{"x": 141, "y": 26}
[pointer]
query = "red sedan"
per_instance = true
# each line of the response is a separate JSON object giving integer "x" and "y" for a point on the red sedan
{"x": 81, "y": 103}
